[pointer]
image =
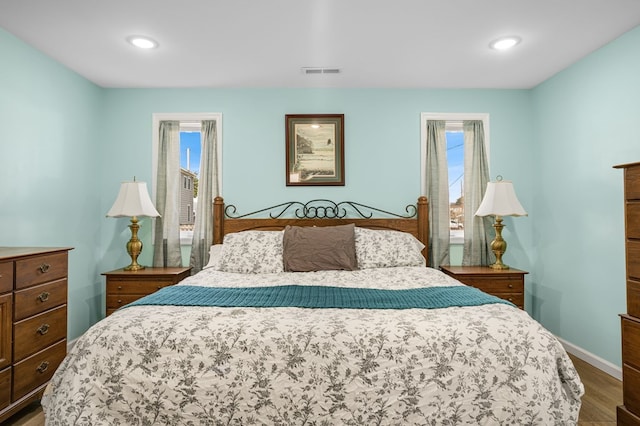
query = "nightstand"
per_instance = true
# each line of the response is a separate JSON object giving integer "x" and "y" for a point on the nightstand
{"x": 507, "y": 284}
{"x": 126, "y": 286}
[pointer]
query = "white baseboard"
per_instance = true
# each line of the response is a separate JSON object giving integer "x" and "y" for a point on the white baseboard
{"x": 601, "y": 364}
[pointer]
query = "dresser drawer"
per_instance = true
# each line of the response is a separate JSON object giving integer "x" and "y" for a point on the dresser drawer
{"x": 631, "y": 342}
{"x": 37, "y": 369}
{"x": 633, "y": 220}
{"x": 625, "y": 418}
{"x": 633, "y": 259}
{"x": 632, "y": 183}
{"x": 40, "y": 269}
{"x": 6, "y": 277}
{"x": 40, "y": 298}
{"x": 5, "y": 387}
{"x": 633, "y": 298}
{"x": 142, "y": 287}
{"x": 630, "y": 386}
{"x": 35, "y": 333}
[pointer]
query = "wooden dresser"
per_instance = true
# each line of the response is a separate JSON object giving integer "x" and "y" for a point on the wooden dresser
{"x": 629, "y": 412}
{"x": 127, "y": 286}
{"x": 33, "y": 322}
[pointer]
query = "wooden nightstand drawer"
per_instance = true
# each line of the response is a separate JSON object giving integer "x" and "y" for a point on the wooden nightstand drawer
{"x": 5, "y": 387}
{"x": 495, "y": 285}
{"x": 40, "y": 269}
{"x": 6, "y": 277}
{"x": 118, "y": 301}
{"x": 33, "y": 300}
{"x": 38, "y": 332}
{"x": 37, "y": 369}
{"x": 140, "y": 287}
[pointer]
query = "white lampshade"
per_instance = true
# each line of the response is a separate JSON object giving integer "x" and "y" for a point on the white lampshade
{"x": 500, "y": 200}
{"x": 133, "y": 200}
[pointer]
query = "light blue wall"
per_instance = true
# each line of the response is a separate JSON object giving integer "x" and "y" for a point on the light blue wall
{"x": 382, "y": 145}
{"x": 585, "y": 123}
{"x": 65, "y": 146}
{"x": 49, "y": 118}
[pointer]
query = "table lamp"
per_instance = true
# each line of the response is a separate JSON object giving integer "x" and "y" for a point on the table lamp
{"x": 133, "y": 201}
{"x": 500, "y": 200}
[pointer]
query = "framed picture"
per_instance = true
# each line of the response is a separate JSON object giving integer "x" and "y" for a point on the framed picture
{"x": 315, "y": 149}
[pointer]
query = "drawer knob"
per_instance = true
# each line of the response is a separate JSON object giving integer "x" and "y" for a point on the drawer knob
{"x": 44, "y": 365}
{"x": 119, "y": 287}
{"x": 43, "y": 329}
{"x": 119, "y": 301}
{"x": 510, "y": 285}
{"x": 44, "y": 268}
{"x": 44, "y": 296}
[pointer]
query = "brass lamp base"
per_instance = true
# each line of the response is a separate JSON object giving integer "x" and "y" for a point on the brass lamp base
{"x": 134, "y": 246}
{"x": 498, "y": 245}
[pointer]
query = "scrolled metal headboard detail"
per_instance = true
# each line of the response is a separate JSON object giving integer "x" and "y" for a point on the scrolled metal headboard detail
{"x": 321, "y": 209}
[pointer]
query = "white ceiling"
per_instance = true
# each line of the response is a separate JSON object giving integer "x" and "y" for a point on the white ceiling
{"x": 265, "y": 43}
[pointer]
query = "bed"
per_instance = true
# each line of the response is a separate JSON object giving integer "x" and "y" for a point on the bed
{"x": 384, "y": 341}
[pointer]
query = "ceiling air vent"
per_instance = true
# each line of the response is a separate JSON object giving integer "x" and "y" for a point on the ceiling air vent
{"x": 320, "y": 70}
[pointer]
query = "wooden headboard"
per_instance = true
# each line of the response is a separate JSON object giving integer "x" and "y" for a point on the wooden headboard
{"x": 321, "y": 213}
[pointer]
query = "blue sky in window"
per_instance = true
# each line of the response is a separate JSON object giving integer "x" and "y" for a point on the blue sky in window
{"x": 191, "y": 141}
{"x": 455, "y": 160}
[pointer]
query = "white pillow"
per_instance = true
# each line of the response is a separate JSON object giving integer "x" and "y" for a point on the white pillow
{"x": 215, "y": 252}
{"x": 387, "y": 248}
{"x": 252, "y": 252}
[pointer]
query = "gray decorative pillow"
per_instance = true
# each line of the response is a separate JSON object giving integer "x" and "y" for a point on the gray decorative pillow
{"x": 252, "y": 252}
{"x": 387, "y": 249}
{"x": 320, "y": 248}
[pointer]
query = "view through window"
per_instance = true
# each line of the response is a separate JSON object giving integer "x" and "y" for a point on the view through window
{"x": 189, "y": 172}
{"x": 455, "y": 162}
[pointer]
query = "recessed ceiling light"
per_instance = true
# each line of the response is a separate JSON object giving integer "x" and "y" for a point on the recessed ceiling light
{"x": 505, "y": 43}
{"x": 142, "y": 42}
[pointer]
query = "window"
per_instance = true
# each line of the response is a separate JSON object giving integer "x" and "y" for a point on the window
{"x": 190, "y": 140}
{"x": 455, "y": 162}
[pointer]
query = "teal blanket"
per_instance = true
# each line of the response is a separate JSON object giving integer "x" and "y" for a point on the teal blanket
{"x": 319, "y": 297}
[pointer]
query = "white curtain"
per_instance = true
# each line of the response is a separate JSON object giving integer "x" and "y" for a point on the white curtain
{"x": 437, "y": 193}
{"x": 208, "y": 189}
{"x": 476, "y": 250}
{"x": 166, "y": 252}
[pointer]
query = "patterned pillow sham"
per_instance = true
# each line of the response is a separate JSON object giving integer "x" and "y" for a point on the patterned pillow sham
{"x": 215, "y": 251}
{"x": 387, "y": 249}
{"x": 252, "y": 252}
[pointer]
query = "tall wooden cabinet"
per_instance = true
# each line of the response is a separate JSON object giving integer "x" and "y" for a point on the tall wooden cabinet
{"x": 629, "y": 412}
{"x": 33, "y": 322}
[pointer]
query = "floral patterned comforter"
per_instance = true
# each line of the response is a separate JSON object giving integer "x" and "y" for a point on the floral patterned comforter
{"x": 145, "y": 365}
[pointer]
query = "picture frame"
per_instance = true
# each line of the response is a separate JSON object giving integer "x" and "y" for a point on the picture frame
{"x": 314, "y": 149}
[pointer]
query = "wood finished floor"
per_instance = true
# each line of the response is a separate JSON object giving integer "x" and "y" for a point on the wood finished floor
{"x": 602, "y": 394}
